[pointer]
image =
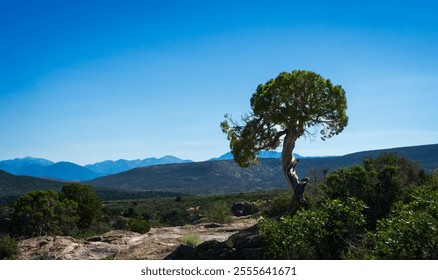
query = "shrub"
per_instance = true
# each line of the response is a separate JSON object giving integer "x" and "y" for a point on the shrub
{"x": 89, "y": 205}
{"x": 140, "y": 226}
{"x": 8, "y": 247}
{"x": 411, "y": 232}
{"x": 174, "y": 217}
{"x": 322, "y": 233}
{"x": 219, "y": 212}
{"x": 280, "y": 204}
{"x": 40, "y": 212}
{"x": 379, "y": 183}
{"x": 49, "y": 212}
{"x": 191, "y": 240}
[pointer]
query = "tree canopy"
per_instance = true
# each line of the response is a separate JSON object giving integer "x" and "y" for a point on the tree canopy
{"x": 89, "y": 205}
{"x": 42, "y": 212}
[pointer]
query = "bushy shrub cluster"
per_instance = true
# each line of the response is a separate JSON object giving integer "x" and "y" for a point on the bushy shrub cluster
{"x": 140, "y": 226}
{"x": 323, "y": 233}
{"x": 385, "y": 209}
{"x": 8, "y": 247}
{"x": 219, "y": 212}
{"x": 38, "y": 213}
{"x": 411, "y": 232}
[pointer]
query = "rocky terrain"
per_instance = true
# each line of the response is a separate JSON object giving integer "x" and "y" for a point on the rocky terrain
{"x": 158, "y": 243}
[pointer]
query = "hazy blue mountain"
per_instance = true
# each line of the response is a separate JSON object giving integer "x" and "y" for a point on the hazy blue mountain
{"x": 67, "y": 171}
{"x": 43, "y": 168}
{"x": 17, "y": 165}
{"x": 111, "y": 167}
{"x": 426, "y": 156}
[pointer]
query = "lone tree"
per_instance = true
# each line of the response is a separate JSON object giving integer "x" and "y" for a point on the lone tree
{"x": 284, "y": 109}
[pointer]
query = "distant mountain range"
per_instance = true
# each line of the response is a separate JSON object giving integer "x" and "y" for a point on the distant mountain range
{"x": 111, "y": 167}
{"x": 197, "y": 178}
{"x": 225, "y": 176}
{"x": 67, "y": 171}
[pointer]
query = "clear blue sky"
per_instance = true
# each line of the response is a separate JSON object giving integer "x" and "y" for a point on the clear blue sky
{"x": 85, "y": 81}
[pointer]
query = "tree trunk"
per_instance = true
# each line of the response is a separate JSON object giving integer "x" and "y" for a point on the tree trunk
{"x": 288, "y": 163}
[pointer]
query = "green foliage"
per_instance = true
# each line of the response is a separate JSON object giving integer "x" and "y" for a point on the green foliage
{"x": 379, "y": 183}
{"x": 140, "y": 226}
{"x": 191, "y": 240}
{"x": 8, "y": 247}
{"x": 219, "y": 212}
{"x": 89, "y": 205}
{"x": 280, "y": 204}
{"x": 323, "y": 233}
{"x": 40, "y": 212}
{"x": 289, "y": 106}
{"x": 166, "y": 211}
{"x": 386, "y": 209}
{"x": 174, "y": 216}
{"x": 411, "y": 232}
{"x": 51, "y": 213}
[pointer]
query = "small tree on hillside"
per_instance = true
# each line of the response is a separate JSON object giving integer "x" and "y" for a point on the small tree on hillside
{"x": 284, "y": 109}
{"x": 89, "y": 205}
{"x": 41, "y": 212}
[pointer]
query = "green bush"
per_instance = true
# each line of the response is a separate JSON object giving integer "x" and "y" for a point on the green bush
{"x": 218, "y": 212}
{"x": 280, "y": 204}
{"x": 140, "y": 226}
{"x": 8, "y": 247}
{"x": 89, "y": 205}
{"x": 41, "y": 212}
{"x": 323, "y": 233}
{"x": 75, "y": 209}
{"x": 174, "y": 217}
{"x": 379, "y": 183}
{"x": 191, "y": 240}
{"x": 411, "y": 232}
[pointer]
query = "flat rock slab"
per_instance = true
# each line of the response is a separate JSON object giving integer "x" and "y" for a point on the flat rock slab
{"x": 123, "y": 245}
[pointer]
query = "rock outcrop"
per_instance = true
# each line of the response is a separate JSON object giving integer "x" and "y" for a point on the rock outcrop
{"x": 244, "y": 209}
{"x": 156, "y": 244}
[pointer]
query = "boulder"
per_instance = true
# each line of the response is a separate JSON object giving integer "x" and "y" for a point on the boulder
{"x": 243, "y": 209}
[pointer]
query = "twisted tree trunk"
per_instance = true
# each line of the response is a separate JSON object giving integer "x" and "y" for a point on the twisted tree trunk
{"x": 288, "y": 163}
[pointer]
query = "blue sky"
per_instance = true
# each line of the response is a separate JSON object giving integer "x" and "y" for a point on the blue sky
{"x": 86, "y": 81}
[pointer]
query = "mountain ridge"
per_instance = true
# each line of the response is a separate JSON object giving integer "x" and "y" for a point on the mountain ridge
{"x": 222, "y": 177}
{"x": 208, "y": 177}
{"x": 108, "y": 167}
{"x": 67, "y": 171}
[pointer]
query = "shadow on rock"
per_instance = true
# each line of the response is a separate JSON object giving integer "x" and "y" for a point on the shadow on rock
{"x": 244, "y": 245}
